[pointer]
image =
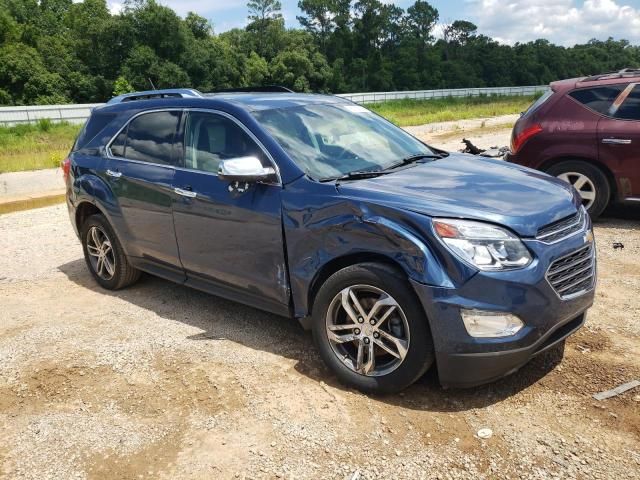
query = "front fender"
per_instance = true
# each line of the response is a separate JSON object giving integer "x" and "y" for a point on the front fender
{"x": 326, "y": 229}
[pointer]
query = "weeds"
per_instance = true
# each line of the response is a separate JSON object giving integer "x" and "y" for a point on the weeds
{"x": 410, "y": 112}
{"x": 35, "y": 146}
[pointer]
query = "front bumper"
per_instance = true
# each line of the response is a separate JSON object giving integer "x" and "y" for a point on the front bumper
{"x": 466, "y": 361}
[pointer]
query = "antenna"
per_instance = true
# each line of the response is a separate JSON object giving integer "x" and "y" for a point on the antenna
{"x": 153, "y": 87}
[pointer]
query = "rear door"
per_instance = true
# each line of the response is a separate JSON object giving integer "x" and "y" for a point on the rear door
{"x": 619, "y": 141}
{"x": 140, "y": 171}
{"x": 230, "y": 236}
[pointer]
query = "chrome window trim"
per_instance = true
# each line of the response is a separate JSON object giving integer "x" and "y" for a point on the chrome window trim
{"x": 110, "y": 155}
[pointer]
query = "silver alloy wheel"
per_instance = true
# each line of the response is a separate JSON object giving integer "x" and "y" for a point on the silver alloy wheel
{"x": 101, "y": 253}
{"x": 367, "y": 330}
{"x": 583, "y": 185}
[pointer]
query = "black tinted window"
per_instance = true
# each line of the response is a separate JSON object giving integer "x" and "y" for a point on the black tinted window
{"x": 93, "y": 127}
{"x": 598, "y": 98}
{"x": 210, "y": 138}
{"x": 117, "y": 147}
{"x": 630, "y": 108}
{"x": 150, "y": 137}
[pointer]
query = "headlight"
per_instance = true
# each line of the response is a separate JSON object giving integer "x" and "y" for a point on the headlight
{"x": 483, "y": 245}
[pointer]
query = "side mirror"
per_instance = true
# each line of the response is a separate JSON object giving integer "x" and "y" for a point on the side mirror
{"x": 244, "y": 169}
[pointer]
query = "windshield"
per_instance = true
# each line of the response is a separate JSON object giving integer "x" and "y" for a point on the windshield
{"x": 329, "y": 141}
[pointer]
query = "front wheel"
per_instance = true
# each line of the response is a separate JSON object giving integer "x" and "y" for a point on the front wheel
{"x": 589, "y": 181}
{"x": 371, "y": 329}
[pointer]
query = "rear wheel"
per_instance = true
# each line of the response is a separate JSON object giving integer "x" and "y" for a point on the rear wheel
{"x": 104, "y": 255}
{"x": 590, "y": 182}
{"x": 371, "y": 330}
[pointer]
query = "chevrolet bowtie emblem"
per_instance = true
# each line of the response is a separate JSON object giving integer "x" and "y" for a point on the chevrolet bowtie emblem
{"x": 588, "y": 237}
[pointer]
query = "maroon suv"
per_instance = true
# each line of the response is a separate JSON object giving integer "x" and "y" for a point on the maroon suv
{"x": 586, "y": 131}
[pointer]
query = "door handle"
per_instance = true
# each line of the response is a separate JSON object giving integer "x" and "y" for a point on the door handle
{"x": 114, "y": 174}
{"x": 185, "y": 193}
{"x": 616, "y": 141}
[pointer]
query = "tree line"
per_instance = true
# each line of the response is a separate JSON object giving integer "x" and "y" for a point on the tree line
{"x": 58, "y": 51}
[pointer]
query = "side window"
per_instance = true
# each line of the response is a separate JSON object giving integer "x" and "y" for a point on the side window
{"x": 149, "y": 138}
{"x": 118, "y": 145}
{"x": 598, "y": 99}
{"x": 210, "y": 138}
{"x": 630, "y": 108}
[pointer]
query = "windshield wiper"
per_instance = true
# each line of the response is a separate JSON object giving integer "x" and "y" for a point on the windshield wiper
{"x": 415, "y": 158}
{"x": 355, "y": 175}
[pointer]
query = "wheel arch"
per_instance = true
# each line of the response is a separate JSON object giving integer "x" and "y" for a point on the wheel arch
{"x": 84, "y": 210}
{"x": 338, "y": 263}
{"x": 547, "y": 164}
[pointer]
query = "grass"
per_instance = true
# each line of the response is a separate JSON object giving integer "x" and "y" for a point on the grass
{"x": 35, "y": 146}
{"x": 45, "y": 144}
{"x": 409, "y": 112}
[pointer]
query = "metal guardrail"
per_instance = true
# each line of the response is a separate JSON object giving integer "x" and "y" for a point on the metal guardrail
{"x": 55, "y": 113}
{"x": 79, "y": 113}
{"x": 375, "y": 97}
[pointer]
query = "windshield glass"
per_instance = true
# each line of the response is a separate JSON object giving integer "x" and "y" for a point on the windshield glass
{"x": 329, "y": 141}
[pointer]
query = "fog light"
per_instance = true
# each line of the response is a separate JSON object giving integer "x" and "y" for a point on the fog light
{"x": 484, "y": 324}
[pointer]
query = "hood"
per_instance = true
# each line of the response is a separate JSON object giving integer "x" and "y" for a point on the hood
{"x": 464, "y": 186}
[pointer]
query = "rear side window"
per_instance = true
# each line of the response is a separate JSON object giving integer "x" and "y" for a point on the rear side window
{"x": 93, "y": 127}
{"x": 148, "y": 138}
{"x": 630, "y": 108}
{"x": 538, "y": 103}
{"x": 598, "y": 99}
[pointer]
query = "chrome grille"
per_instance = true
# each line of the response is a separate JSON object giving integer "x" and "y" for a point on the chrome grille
{"x": 562, "y": 229}
{"x": 573, "y": 274}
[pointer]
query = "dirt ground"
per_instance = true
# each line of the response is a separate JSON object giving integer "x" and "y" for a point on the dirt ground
{"x": 160, "y": 381}
{"x": 484, "y": 133}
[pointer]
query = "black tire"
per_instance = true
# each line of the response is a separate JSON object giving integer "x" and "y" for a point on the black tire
{"x": 420, "y": 353}
{"x": 595, "y": 176}
{"x": 123, "y": 273}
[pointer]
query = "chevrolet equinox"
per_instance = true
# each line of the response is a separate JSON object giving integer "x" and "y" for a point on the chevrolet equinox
{"x": 398, "y": 256}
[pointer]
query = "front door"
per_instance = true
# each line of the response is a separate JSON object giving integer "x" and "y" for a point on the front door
{"x": 619, "y": 142}
{"x": 230, "y": 239}
{"x": 140, "y": 171}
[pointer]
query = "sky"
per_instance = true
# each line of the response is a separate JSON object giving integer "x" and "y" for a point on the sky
{"x": 564, "y": 22}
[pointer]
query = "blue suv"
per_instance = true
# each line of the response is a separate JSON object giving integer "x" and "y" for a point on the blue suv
{"x": 397, "y": 255}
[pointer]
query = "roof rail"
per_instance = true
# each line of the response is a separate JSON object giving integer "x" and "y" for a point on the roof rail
{"x": 625, "y": 72}
{"x": 155, "y": 94}
{"x": 257, "y": 89}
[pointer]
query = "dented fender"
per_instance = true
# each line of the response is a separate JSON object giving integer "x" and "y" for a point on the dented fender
{"x": 330, "y": 227}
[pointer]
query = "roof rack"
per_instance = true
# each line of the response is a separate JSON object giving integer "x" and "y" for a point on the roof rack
{"x": 624, "y": 73}
{"x": 260, "y": 89}
{"x": 155, "y": 94}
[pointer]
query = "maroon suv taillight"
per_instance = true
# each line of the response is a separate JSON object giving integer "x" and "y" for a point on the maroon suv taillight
{"x": 66, "y": 168}
{"x": 517, "y": 140}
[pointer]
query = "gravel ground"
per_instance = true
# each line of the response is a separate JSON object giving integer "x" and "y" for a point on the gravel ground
{"x": 483, "y": 132}
{"x": 160, "y": 381}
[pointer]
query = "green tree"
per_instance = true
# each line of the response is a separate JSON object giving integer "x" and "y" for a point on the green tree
{"x": 266, "y": 22}
{"x": 122, "y": 86}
